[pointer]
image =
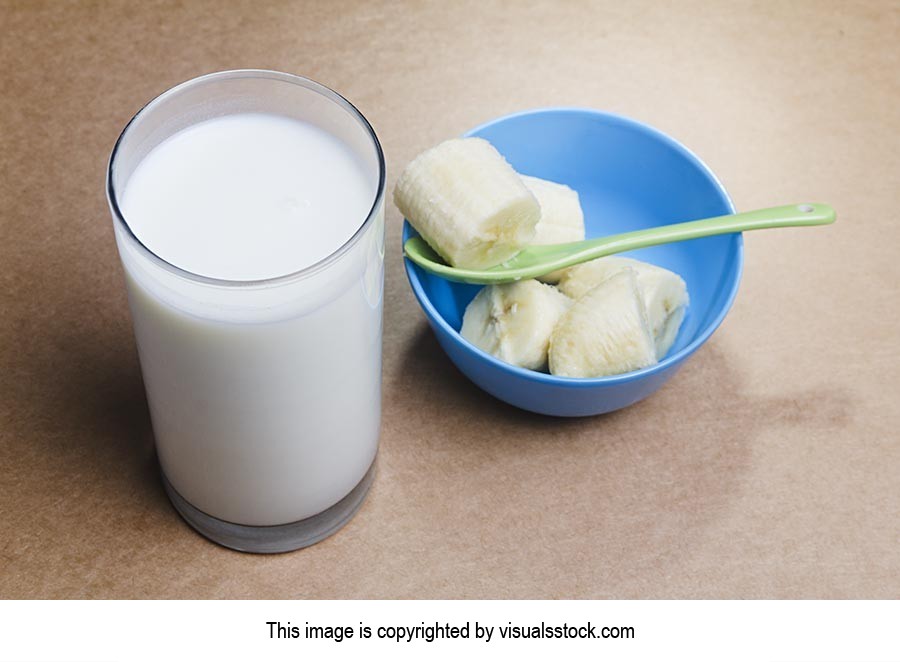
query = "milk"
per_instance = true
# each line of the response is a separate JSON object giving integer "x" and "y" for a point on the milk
{"x": 247, "y": 197}
{"x": 264, "y": 396}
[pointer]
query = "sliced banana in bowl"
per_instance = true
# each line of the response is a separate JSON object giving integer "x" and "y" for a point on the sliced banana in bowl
{"x": 514, "y": 321}
{"x": 562, "y": 219}
{"x": 468, "y": 203}
{"x": 664, "y": 292}
{"x": 606, "y": 332}
{"x": 474, "y": 209}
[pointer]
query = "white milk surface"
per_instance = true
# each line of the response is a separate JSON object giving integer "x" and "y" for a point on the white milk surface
{"x": 271, "y": 416}
{"x": 247, "y": 197}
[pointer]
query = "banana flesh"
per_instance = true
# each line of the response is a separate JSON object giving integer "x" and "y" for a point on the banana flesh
{"x": 608, "y": 316}
{"x": 468, "y": 203}
{"x": 514, "y": 321}
{"x": 605, "y": 332}
{"x": 562, "y": 219}
{"x": 664, "y": 292}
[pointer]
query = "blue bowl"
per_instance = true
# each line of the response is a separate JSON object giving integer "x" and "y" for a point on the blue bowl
{"x": 629, "y": 176}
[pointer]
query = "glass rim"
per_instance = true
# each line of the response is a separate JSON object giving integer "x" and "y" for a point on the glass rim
{"x": 308, "y": 83}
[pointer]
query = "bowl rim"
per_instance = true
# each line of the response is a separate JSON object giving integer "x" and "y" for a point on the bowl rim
{"x": 587, "y": 382}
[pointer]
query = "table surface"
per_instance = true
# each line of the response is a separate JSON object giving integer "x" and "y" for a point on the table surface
{"x": 768, "y": 467}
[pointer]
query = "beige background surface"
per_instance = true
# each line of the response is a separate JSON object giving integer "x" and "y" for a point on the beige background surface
{"x": 769, "y": 466}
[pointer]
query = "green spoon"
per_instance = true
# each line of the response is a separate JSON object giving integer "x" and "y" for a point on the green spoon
{"x": 536, "y": 261}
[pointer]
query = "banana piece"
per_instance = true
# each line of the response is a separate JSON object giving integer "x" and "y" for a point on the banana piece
{"x": 468, "y": 203}
{"x": 664, "y": 292}
{"x": 562, "y": 219}
{"x": 605, "y": 332}
{"x": 514, "y": 321}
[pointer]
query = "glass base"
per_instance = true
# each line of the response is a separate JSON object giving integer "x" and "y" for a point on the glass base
{"x": 273, "y": 539}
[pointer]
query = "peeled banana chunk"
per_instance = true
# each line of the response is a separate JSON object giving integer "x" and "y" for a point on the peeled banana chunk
{"x": 514, "y": 321}
{"x": 664, "y": 292}
{"x": 608, "y": 316}
{"x": 605, "y": 332}
{"x": 468, "y": 203}
{"x": 562, "y": 219}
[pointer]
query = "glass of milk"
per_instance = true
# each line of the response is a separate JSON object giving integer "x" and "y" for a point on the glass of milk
{"x": 249, "y": 217}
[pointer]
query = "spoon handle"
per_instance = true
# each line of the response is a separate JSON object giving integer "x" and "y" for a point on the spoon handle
{"x": 759, "y": 219}
{"x": 538, "y": 260}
